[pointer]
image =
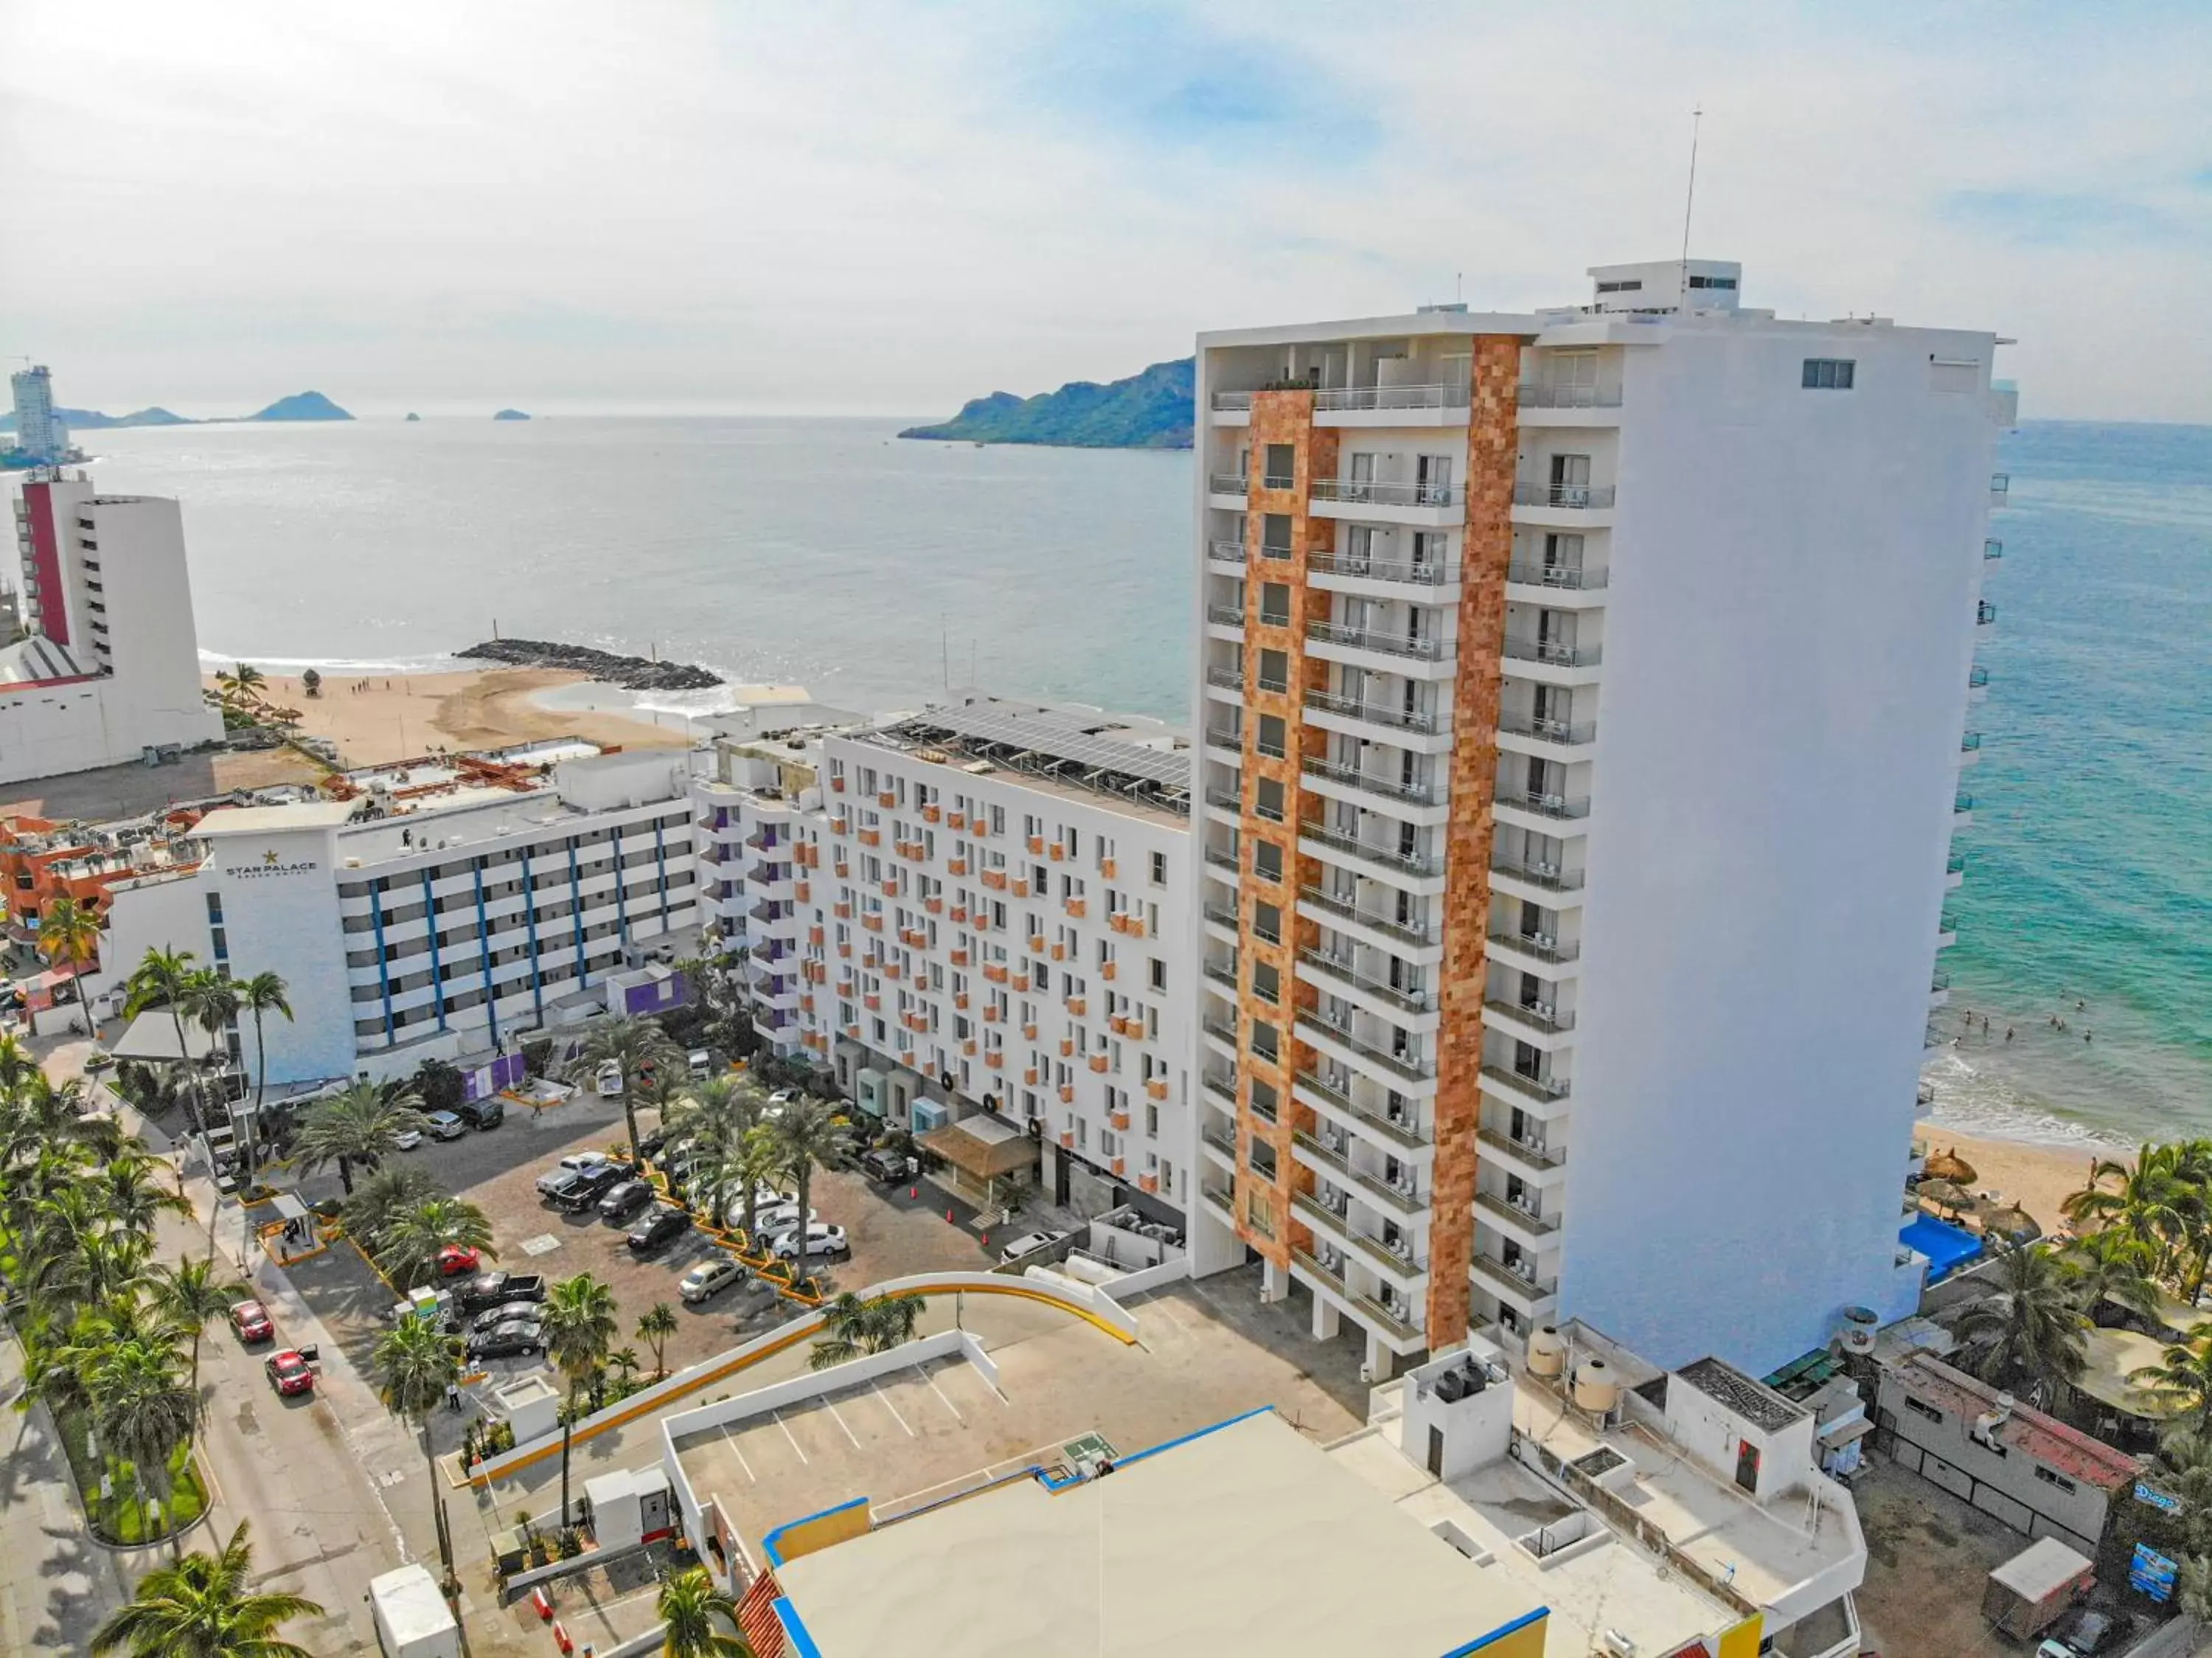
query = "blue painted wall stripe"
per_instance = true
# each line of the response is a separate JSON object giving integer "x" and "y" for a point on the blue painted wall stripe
{"x": 576, "y": 912}
{"x": 437, "y": 978}
{"x": 530, "y": 927}
{"x": 483, "y": 951}
{"x": 772, "y": 1544}
{"x": 794, "y": 1628}
{"x": 383, "y": 960}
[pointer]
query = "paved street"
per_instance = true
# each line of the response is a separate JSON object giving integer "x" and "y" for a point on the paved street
{"x": 58, "y": 1584}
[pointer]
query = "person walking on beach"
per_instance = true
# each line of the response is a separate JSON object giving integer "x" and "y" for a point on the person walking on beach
{"x": 2008, "y": 1033}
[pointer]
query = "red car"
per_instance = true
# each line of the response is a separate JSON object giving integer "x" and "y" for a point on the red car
{"x": 456, "y": 1259}
{"x": 251, "y": 1320}
{"x": 289, "y": 1373}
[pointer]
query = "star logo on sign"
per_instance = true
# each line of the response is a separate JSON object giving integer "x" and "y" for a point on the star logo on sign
{"x": 268, "y": 858}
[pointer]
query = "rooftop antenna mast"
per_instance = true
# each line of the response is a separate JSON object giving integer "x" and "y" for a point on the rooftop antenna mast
{"x": 1690, "y": 200}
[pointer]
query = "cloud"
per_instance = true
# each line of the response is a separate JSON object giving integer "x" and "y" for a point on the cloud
{"x": 889, "y": 208}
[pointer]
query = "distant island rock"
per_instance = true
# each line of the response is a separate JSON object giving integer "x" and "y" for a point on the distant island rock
{"x": 510, "y": 414}
{"x": 1150, "y": 410}
{"x": 91, "y": 420}
{"x": 631, "y": 673}
{"x": 414, "y": 417}
{"x": 302, "y": 405}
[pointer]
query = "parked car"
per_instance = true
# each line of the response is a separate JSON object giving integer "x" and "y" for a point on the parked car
{"x": 444, "y": 1125}
{"x": 1029, "y": 1243}
{"x": 2081, "y": 1633}
{"x": 504, "y": 1340}
{"x": 700, "y": 1061}
{"x": 649, "y": 1144}
{"x": 777, "y": 1221}
{"x": 576, "y": 1163}
{"x": 491, "y": 1289}
{"x": 482, "y": 1114}
{"x": 457, "y": 1259}
{"x": 823, "y": 1240}
{"x": 251, "y": 1321}
{"x": 408, "y": 1138}
{"x": 657, "y": 1229}
{"x": 505, "y": 1313}
{"x": 608, "y": 1080}
{"x": 624, "y": 1199}
{"x": 710, "y": 1278}
{"x": 582, "y": 1189}
{"x": 288, "y": 1374}
{"x": 889, "y": 1168}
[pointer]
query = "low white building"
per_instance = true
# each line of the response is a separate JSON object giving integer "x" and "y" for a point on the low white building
{"x": 438, "y": 909}
{"x": 975, "y": 908}
{"x": 111, "y": 668}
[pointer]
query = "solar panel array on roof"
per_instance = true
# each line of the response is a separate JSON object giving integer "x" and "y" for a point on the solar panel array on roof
{"x": 1056, "y": 740}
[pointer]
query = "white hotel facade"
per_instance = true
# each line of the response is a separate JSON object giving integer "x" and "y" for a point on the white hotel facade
{"x": 975, "y": 911}
{"x": 1584, "y": 697}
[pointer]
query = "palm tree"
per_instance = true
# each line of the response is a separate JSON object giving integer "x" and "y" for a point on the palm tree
{"x": 416, "y": 1362}
{"x": 2148, "y": 1199}
{"x": 2113, "y": 1266}
{"x": 68, "y": 932}
{"x": 579, "y": 1327}
{"x": 804, "y": 1138}
{"x": 852, "y": 1326}
{"x": 692, "y": 1612}
{"x": 160, "y": 980}
{"x": 200, "y": 1607}
{"x": 633, "y": 1045}
{"x": 129, "y": 1194}
{"x": 141, "y": 1409}
{"x": 656, "y": 1324}
{"x": 2184, "y": 1373}
{"x": 361, "y": 1124}
{"x": 368, "y": 1214}
{"x": 2029, "y": 1335}
{"x": 408, "y": 1244}
{"x": 624, "y": 1359}
{"x": 264, "y": 993}
{"x": 192, "y": 1295}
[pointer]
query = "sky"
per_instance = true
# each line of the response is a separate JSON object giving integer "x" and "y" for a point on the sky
{"x": 815, "y": 207}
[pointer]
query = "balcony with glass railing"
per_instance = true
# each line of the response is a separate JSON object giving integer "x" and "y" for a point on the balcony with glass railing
{"x": 1314, "y": 1026}
{"x": 1564, "y": 734}
{"x": 1416, "y": 864}
{"x": 1567, "y": 397}
{"x": 1225, "y": 553}
{"x": 1226, "y": 615}
{"x": 1429, "y": 574}
{"x": 1565, "y": 578}
{"x": 1225, "y": 678}
{"x": 1226, "y": 484}
{"x": 1550, "y": 652}
{"x": 1342, "y": 909}
{"x": 1539, "y": 1087}
{"x": 1358, "y": 399}
{"x": 1405, "y": 1201}
{"x": 1542, "y": 947}
{"x": 1552, "y": 877}
{"x": 1388, "y": 644}
{"x": 1405, "y": 1133}
{"x": 1546, "y": 1017}
{"x": 1419, "y": 722}
{"x": 1569, "y": 498}
{"x": 1557, "y": 807}
{"x": 1511, "y": 1214}
{"x": 1356, "y": 492}
{"x": 1401, "y": 1262}
{"x": 1521, "y": 1281}
{"x": 1350, "y": 776}
{"x": 1527, "y": 1151}
{"x": 1337, "y": 969}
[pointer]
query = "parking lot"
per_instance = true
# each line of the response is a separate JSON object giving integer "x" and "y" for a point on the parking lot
{"x": 890, "y": 1233}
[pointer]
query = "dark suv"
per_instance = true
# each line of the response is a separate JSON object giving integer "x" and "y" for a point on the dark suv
{"x": 482, "y": 1114}
{"x": 581, "y": 1189}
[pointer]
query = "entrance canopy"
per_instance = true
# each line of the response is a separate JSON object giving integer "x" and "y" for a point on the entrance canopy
{"x": 152, "y": 1039}
{"x": 983, "y": 1148}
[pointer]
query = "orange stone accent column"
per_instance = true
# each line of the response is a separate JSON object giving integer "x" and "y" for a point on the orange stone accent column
{"x": 1492, "y": 440}
{"x": 1278, "y": 417}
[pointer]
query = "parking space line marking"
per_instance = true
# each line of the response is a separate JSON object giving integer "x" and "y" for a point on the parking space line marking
{"x": 788, "y": 1435}
{"x": 740, "y": 1454}
{"x": 940, "y": 1392}
{"x": 842, "y": 1422}
{"x": 893, "y": 1409}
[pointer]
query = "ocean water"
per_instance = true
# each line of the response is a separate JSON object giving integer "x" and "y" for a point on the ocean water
{"x": 872, "y": 570}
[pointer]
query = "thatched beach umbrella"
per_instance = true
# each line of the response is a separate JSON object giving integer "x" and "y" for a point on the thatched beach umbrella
{"x": 1946, "y": 1194}
{"x": 2011, "y": 1221}
{"x": 1950, "y": 1166}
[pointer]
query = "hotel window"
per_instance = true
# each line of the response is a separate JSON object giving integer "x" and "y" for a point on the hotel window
{"x": 1158, "y": 974}
{"x": 1267, "y": 801}
{"x": 1282, "y": 465}
{"x": 1274, "y": 604}
{"x": 1828, "y": 374}
{"x": 1159, "y": 868}
{"x": 1267, "y": 982}
{"x": 1273, "y": 737}
{"x": 1275, "y": 534}
{"x": 1274, "y": 670}
{"x": 1268, "y": 923}
{"x": 1267, "y": 860}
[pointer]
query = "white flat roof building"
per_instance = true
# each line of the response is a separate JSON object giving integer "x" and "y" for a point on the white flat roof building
{"x": 111, "y": 666}
{"x": 976, "y": 907}
{"x": 1584, "y": 700}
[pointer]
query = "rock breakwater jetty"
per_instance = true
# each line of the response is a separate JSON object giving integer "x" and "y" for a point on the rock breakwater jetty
{"x": 631, "y": 673}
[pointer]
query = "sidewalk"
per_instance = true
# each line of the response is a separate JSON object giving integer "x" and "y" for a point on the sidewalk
{"x": 55, "y": 1604}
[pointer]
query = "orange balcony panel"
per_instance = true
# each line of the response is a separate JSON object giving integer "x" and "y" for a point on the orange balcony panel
{"x": 852, "y": 1031}
{"x": 815, "y": 936}
{"x": 1120, "y": 1164}
{"x": 1030, "y": 1031}
{"x": 1157, "y": 1088}
{"x": 1036, "y": 946}
{"x": 871, "y": 837}
{"x": 807, "y": 1003}
{"x": 1077, "y": 1004}
{"x": 1148, "y": 1183}
{"x": 1036, "y": 844}
{"x": 995, "y": 971}
{"x": 844, "y": 870}
{"x": 1134, "y": 926}
{"x": 960, "y": 912}
{"x": 1106, "y": 970}
{"x": 887, "y": 798}
{"x": 1066, "y": 1047}
{"x": 956, "y": 820}
{"x": 891, "y": 887}
{"x": 1029, "y": 1076}
{"x": 960, "y": 1000}
{"x": 1059, "y": 853}
{"x": 1120, "y": 1120}
{"x": 932, "y": 815}
{"x": 934, "y": 905}
{"x": 845, "y": 950}
{"x": 1021, "y": 887}
{"x": 995, "y": 1060}
{"x": 838, "y": 785}
{"x": 1107, "y": 868}
{"x": 968, "y": 1047}
{"x": 960, "y": 957}
{"x": 990, "y": 1016}
{"x": 874, "y": 923}
{"x": 1019, "y": 981}
{"x": 1067, "y": 1135}
{"x": 907, "y": 1058}
{"x": 873, "y": 1003}
{"x": 841, "y": 825}
{"x": 892, "y": 970}
{"x": 995, "y": 879}
{"x": 801, "y": 890}
{"x": 843, "y": 909}
{"x": 1076, "y": 907}
{"x": 1060, "y": 953}
{"x": 1098, "y": 1064}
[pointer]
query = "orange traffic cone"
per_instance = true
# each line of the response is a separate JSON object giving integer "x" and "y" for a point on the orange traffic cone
{"x": 543, "y": 1603}
{"x": 560, "y": 1639}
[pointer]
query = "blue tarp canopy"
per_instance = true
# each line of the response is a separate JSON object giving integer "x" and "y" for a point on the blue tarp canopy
{"x": 1946, "y": 1247}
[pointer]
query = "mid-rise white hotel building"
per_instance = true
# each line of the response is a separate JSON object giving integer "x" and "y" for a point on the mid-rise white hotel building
{"x": 975, "y": 913}
{"x": 1584, "y": 696}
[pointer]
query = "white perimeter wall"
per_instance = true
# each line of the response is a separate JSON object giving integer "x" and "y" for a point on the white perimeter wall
{"x": 1787, "y": 638}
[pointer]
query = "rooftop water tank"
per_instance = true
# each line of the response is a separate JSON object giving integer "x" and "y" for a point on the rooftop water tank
{"x": 1596, "y": 1391}
{"x": 1547, "y": 1354}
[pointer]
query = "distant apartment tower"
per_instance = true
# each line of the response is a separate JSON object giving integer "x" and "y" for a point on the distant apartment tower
{"x": 1583, "y": 695}
{"x": 38, "y": 429}
{"x": 976, "y": 911}
{"x": 111, "y": 666}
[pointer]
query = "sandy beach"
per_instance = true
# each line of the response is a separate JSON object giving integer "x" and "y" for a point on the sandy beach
{"x": 400, "y": 716}
{"x": 2039, "y": 1179}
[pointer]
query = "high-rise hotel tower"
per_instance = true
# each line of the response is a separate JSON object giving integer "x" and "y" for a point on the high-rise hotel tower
{"x": 1583, "y": 698}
